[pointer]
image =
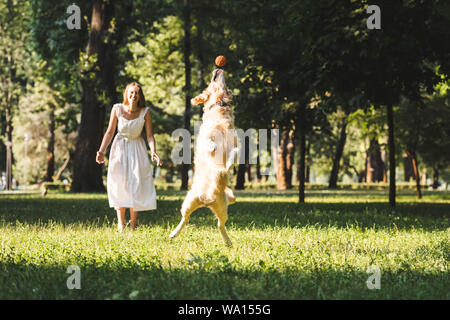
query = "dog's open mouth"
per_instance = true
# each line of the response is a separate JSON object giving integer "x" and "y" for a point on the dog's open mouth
{"x": 216, "y": 73}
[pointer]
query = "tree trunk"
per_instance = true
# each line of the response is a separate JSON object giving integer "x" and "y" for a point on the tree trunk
{"x": 8, "y": 165}
{"x": 436, "y": 183}
{"x": 201, "y": 81}
{"x": 187, "y": 74}
{"x": 374, "y": 163}
{"x": 415, "y": 167}
{"x": 258, "y": 163}
{"x": 308, "y": 161}
{"x": 301, "y": 187}
{"x": 8, "y": 112}
{"x": 407, "y": 166}
{"x": 307, "y": 164}
{"x": 290, "y": 149}
{"x": 8, "y": 78}
{"x": 282, "y": 152}
{"x": 275, "y": 143}
{"x": 242, "y": 167}
{"x": 51, "y": 146}
{"x": 383, "y": 166}
{"x": 200, "y": 59}
{"x": 359, "y": 175}
{"x": 249, "y": 172}
{"x": 87, "y": 174}
{"x": 337, "y": 157}
{"x": 2, "y": 146}
{"x": 369, "y": 168}
{"x": 60, "y": 171}
{"x": 391, "y": 143}
{"x": 240, "y": 179}
{"x": 248, "y": 166}
{"x": 9, "y": 131}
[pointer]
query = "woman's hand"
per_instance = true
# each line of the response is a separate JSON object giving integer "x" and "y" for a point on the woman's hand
{"x": 100, "y": 158}
{"x": 156, "y": 158}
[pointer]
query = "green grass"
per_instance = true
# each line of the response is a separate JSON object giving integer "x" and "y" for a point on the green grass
{"x": 282, "y": 250}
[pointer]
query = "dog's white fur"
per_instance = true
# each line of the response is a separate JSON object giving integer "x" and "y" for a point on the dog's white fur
{"x": 214, "y": 155}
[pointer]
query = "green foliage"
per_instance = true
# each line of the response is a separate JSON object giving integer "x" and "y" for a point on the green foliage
{"x": 157, "y": 64}
{"x": 14, "y": 64}
{"x": 324, "y": 143}
{"x": 31, "y": 125}
{"x": 164, "y": 147}
{"x": 423, "y": 127}
{"x": 57, "y": 45}
{"x": 289, "y": 63}
{"x": 434, "y": 143}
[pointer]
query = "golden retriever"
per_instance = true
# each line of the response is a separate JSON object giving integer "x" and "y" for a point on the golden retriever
{"x": 215, "y": 149}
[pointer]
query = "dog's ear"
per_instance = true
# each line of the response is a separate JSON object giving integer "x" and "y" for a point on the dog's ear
{"x": 201, "y": 98}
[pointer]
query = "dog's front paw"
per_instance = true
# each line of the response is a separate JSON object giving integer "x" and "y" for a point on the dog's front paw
{"x": 212, "y": 146}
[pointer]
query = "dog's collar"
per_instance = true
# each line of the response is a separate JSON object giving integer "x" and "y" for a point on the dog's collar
{"x": 222, "y": 104}
{"x": 219, "y": 104}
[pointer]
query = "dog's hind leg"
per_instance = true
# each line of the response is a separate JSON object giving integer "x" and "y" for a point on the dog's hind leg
{"x": 190, "y": 204}
{"x": 220, "y": 210}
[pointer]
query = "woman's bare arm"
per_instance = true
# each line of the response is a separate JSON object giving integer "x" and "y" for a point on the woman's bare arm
{"x": 150, "y": 138}
{"x": 109, "y": 134}
{"x": 149, "y": 132}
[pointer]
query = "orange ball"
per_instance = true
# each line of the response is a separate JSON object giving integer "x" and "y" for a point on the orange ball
{"x": 221, "y": 61}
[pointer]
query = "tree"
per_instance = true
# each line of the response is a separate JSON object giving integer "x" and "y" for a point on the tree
{"x": 409, "y": 131}
{"x": 406, "y": 66}
{"x": 332, "y": 184}
{"x": 434, "y": 145}
{"x": 158, "y": 66}
{"x": 41, "y": 136}
{"x": 87, "y": 175}
{"x": 14, "y": 19}
{"x": 213, "y": 34}
{"x": 187, "y": 85}
{"x": 345, "y": 61}
{"x": 93, "y": 57}
{"x": 270, "y": 68}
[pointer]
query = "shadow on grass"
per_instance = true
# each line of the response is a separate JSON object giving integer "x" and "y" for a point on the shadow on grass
{"x": 221, "y": 280}
{"x": 242, "y": 215}
{"x": 356, "y": 194}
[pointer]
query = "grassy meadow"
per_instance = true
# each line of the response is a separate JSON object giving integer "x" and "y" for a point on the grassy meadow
{"x": 281, "y": 250}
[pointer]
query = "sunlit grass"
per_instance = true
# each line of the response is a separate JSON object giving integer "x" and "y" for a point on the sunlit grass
{"x": 282, "y": 250}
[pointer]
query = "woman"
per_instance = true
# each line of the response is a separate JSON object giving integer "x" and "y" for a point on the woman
{"x": 130, "y": 179}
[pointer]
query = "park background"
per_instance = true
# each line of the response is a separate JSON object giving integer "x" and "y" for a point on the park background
{"x": 362, "y": 166}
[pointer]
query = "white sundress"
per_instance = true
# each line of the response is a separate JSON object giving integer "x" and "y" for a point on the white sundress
{"x": 130, "y": 173}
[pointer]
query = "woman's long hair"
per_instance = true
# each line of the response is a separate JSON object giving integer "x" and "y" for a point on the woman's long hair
{"x": 141, "y": 102}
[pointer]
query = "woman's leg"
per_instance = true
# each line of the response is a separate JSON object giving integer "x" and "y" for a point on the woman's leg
{"x": 121, "y": 218}
{"x": 133, "y": 217}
